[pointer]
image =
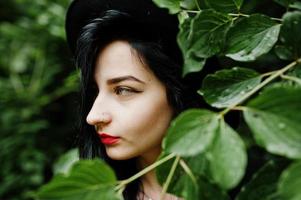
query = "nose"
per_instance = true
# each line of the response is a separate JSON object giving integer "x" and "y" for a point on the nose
{"x": 99, "y": 115}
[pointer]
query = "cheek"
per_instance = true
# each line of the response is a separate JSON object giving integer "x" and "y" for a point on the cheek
{"x": 150, "y": 117}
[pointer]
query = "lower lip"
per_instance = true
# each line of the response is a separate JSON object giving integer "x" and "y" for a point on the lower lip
{"x": 109, "y": 140}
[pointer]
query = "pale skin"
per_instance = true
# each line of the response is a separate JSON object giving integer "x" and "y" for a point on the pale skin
{"x": 131, "y": 104}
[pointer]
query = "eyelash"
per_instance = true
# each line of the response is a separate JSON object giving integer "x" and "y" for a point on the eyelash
{"x": 119, "y": 89}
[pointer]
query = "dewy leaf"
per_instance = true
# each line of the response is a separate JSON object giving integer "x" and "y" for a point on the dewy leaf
{"x": 263, "y": 185}
{"x": 225, "y": 5}
{"x": 290, "y": 38}
{"x": 88, "y": 179}
{"x": 172, "y": 5}
{"x": 251, "y": 37}
{"x": 192, "y": 63}
{"x": 191, "y": 132}
{"x": 208, "y": 33}
{"x": 227, "y": 157}
{"x": 274, "y": 119}
{"x": 227, "y": 87}
{"x": 290, "y": 182}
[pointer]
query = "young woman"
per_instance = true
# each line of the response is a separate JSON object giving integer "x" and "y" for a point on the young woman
{"x": 131, "y": 85}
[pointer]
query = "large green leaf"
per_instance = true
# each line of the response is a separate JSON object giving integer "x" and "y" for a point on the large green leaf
{"x": 172, "y": 5}
{"x": 189, "y": 188}
{"x": 290, "y": 182}
{"x": 65, "y": 162}
{"x": 274, "y": 119}
{"x": 227, "y": 87}
{"x": 225, "y": 5}
{"x": 192, "y": 63}
{"x": 263, "y": 185}
{"x": 227, "y": 157}
{"x": 208, "y": 33}
{"x": 88, "y": 180}
{"x": 251, "y": 37}
{"x": 191, "y": 132}
{"x": 290, "y": 38}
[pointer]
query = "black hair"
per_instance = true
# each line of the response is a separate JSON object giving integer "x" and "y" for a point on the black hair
{"x": 156, "y": 50}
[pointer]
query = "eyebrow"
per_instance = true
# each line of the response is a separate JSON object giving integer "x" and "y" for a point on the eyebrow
{"x": 123, "y": 78}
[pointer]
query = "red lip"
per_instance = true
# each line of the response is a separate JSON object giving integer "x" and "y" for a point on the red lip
{"x": 108, "y": 139}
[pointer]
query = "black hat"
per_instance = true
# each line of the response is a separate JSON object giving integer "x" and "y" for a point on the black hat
{"x": 81, "y": 12}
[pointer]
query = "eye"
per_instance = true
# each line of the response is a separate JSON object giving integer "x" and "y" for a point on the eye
{"x": 124, "y": 91}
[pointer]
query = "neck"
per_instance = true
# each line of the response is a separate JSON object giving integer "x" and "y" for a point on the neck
{"x": 149, "y": 181}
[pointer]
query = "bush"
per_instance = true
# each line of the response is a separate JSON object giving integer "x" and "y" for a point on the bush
{"x": 204, "y": 157}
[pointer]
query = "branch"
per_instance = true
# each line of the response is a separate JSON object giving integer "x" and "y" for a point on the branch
{"x": 262, "y": 84}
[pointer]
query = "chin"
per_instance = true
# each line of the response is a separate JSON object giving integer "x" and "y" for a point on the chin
{"x": 119, "y": 155}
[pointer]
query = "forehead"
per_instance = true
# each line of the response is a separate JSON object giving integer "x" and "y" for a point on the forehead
{"x": 119, "y": 59}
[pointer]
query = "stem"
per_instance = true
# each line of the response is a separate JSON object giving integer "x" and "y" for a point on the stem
{"x": 241, "y": 108}
{"x": 276, "y": 19}
{"x": 268, "y": 74}
{"x": 192, "y": 11}
{"x": 238, "y": 15}
{"x": 188, "y": 171}
{"x": 144, "y": 171}
{"x": 16, "y": 82}
{"x": 291, "y": 78}
{"x": 262, "y": 84}
{"x": 244, "y": 15}
{"x": 169, "y": 177}
{"x": 197, "y": 4}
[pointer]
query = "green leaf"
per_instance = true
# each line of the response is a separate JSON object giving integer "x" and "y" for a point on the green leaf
{"x": 290, "y": 182}
{"x": 283, "y": 52}
{"x": 296, "y": 71}
{"x": 65, "y": 162}
{"x": 228, "y": 87}
{"x": 172, "y": 5}
{"x": 274, "y": 119}
{"x": 208, "y": 33}
{"x": 210, "y": 191}
{"x": 251, "y": 37}
{"x": 227, "y": 157}
{"x": 189, "y": 4}
{"x": 290, "y": 38}
{"x": 263, "y": 185}
{"x": 88, "y": 179}
{"x": 225, "y": 5}
{"x": 294, "y": 77}
{"x": 192, "y": 63}
{"x": 296, "y": 5}
{"x": 191, "y": 132}
{"x": 182, "y": 184}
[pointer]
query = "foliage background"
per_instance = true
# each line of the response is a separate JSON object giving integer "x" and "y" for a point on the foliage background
{"x": 38, "y": 85}
{"x": 38, "y": 92}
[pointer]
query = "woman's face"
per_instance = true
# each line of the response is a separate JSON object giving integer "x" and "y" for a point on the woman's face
{"x": 131, "y": 112}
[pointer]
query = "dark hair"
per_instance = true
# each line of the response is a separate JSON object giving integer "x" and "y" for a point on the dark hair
{"x": 155, "y": 50}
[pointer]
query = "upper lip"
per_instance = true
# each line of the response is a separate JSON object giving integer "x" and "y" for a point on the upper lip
{"x": 106, "y": 135}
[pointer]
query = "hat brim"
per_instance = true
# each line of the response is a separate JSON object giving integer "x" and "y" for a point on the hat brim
{"x": 81, "y": 12}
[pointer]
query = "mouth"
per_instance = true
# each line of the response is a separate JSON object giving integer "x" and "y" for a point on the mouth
{"x": 108, "y": 139}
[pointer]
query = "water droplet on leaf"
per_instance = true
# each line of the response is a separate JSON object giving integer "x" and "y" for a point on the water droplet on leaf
{"x": 281, "y": 125}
